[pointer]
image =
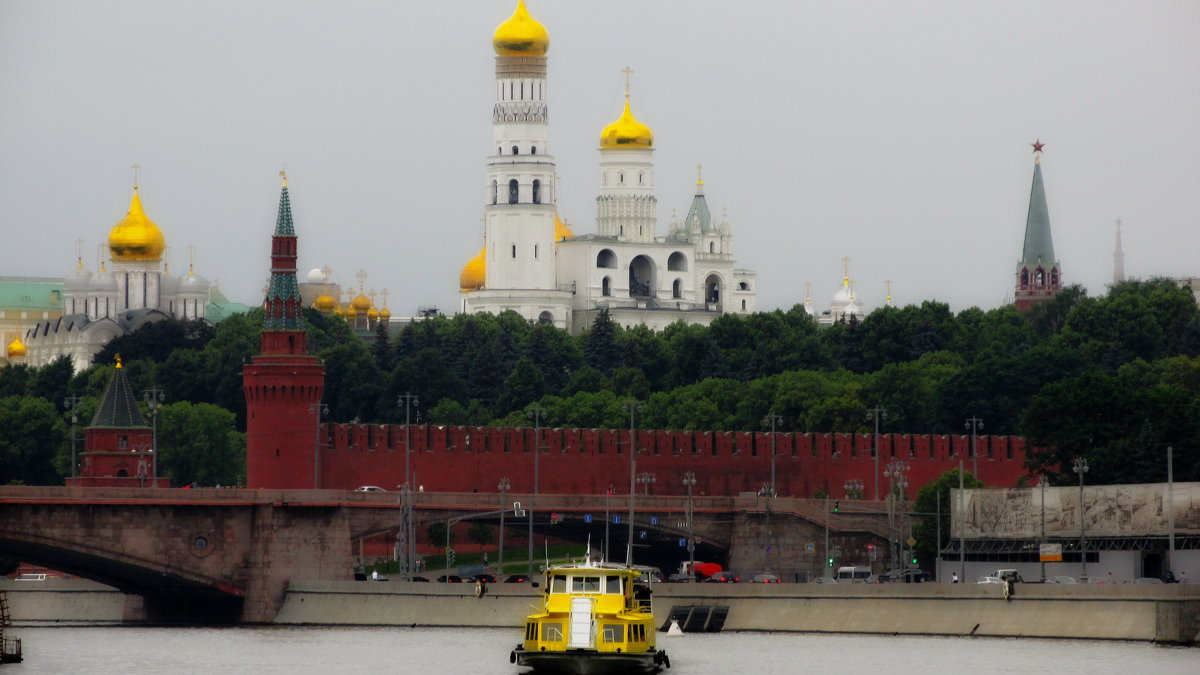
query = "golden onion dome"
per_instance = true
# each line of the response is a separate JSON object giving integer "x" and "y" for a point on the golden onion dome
{"x": 324, "y": 303}
{"x": 521, "y": 35}
{"x": 626, "y": 132}
{"x": 136, "y": 237}
{"x": 561, "y": 229}
{"x": 16, "y": 348}
{"x": 350, "y": 311}
{"x": 372, "y": 314}
{"x": 338, "y": 311}
{"x": 474, "y": 273}
{"x": 385, "y": 314}
{"x": 361, "y": 303}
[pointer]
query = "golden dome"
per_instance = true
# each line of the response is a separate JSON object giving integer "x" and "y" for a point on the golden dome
{"x": 350, "y": 311}
{"x": 626, "y": 132}
{"x": 521, "y": 35}
{"x": 338, "y": 311}
{"x": 16, "y": 348}
{"x": 474, "y": 273}
{"x": 561, "y": 229}
{"x": 361, "y": 304}
{"x": 372, "y": 314}
{"x": 324, "y": 303}
{"x": 136, "y": 237}
{"x": 385, "y": 314}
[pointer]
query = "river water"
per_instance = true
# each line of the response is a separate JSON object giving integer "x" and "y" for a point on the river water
{"x": 441, "y": 651}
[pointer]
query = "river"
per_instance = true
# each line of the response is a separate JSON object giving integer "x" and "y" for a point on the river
{"x": 442, "y": 651}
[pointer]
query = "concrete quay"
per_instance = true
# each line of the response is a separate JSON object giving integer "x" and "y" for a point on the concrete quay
{"x": 1152, "y": 613}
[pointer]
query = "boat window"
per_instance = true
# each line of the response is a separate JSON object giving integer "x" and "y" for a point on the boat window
{"x": 558, "y": 584}
{"x": 612, "y": 585}
{"x": 612, "y": 632}
{"x": 552, "y": 632}
{"x": 585, "y": 585}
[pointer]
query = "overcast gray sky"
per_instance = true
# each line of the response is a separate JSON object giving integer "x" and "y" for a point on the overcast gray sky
{"x": 895, "y": 133}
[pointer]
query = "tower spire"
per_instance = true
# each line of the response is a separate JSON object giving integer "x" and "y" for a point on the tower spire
{"x": 283, "y": 295}
{"x": 1038, "y": 273}
{"x": 1118, "y": 258}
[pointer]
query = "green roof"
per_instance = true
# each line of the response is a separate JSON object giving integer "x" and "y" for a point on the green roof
{"x": 1039, "y": 246}
{"x": 118, "y": 408}
{"x": 40, "y": 293}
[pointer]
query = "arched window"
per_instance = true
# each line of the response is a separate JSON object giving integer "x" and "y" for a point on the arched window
{"x": 606, "y": 286}
{"x": 495, "y": 191}
{"x": 1054, "y": 276}
{"x": 522, "y": 91}
{"x": 537, "y": 192}
{"x": 677, "y": 262}
{"x": 533, "y": 150}
{"x": 641, "y": 277}
{"x": 545, "y": 317}
{"x": 743, "y": 286}
{"x": 515, "y": 150}
{"x": 743, "y": 305}
{"x": 712, "y": 247}
{"x": 1025, "y": 277}
{"x": 1039, "y": 277}
{"x": 677, "y": 288}
{"x": 513, "y": 191}
{"x": 606, "y": 258}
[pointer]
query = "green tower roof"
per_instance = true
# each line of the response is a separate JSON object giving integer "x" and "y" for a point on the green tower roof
{"x": 1039, "y": 246}
{"x": 119, "y": 406}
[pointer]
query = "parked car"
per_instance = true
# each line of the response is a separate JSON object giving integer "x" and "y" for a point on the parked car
{"x": 420, "y": 579}
{"x": 724, "y": 578}
{"x": 449, "y": 579}
{"x": 484, "y": 577}
{"x": 989, "y": 580}
{"x": 765, "y": 578}
{"x": 517, "y": 579}
{"x": 1008, "y": 575}
{"x": 679, "y": 578}
{"x": 369, "y": 488}
{"x": 1062, "y": 580}
{"x": 853, "y": 575}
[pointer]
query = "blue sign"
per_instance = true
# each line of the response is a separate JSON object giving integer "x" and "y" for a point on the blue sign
{"x": 642, "y": 534}
{"x": 653, "y": 520}
{"x": 587, "y": 518}
{"x": 683, "y": 542}
{"x": 616, "y": 520}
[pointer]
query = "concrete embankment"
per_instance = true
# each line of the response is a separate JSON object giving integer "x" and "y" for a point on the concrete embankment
{"x": 1132, "y": 612}
{"x": 1167, "y": 613}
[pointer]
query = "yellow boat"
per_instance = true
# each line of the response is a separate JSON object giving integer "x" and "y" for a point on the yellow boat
{"x": 597, "y": 618}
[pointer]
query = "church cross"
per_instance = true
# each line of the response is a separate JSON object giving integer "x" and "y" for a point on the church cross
{"x": 136, "y": 174}
{"x": 362, "y": 277}
{"x": 628, "y": 72}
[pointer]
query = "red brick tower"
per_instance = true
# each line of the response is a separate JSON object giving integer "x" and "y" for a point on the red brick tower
{"x": 284, "y": 383}
{"x": 117, "y": 445}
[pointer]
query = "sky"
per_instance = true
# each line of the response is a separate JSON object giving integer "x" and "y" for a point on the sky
{"x": 896, "y": 134}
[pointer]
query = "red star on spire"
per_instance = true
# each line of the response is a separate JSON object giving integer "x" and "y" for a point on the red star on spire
{"x": 1038, "y": 145}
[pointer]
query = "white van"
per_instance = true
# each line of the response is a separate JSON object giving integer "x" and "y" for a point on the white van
{"x": 853, "y": 575}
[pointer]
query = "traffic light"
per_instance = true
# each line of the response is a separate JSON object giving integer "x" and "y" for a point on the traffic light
{"x": 914, "y": 559}
{"x": 553, "y": 518}
{"x": 450, "y": 557}
{"x": 831, "y": 562}
{"x": 837, "y": 506}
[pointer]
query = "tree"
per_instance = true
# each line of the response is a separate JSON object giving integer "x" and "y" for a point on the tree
{"x": 199, "y": 443}
{"x": 600, "y": 348}
{"x": 436, "y": 534}
{"x": 156, "y": 340}
{"x": 480, "y": 533}
{"x": 524, "y": 385}
{"x": 32, "y": 434}
{"x": 925, "y": 527}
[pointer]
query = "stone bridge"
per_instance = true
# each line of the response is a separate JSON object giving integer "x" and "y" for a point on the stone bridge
{"x": 226, "y": 555}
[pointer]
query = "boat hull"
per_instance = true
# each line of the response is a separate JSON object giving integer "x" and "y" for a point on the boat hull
{"x": 591, "y": 662}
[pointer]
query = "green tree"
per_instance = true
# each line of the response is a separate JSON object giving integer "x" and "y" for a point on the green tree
{"x": 925, "y": 527}
{"x": 199, "y": 442}
{"x": 15, "y": 379}
{"x": 481, "y": 533}
{"x": 524, "y": 385}
{"x": 32, "y": 434}
{"x": 600, "y": 348}
{"x": 435, "y": 533}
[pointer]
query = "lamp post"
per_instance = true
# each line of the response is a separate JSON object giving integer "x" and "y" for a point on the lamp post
{"x": 894, "y": 471}
{"x": 633, "y": 407}
{"x": 72, "y": 403}
{"x": 689, "y": 479}
{"x": 771, "y": 420}
{"x": 878, "y": 413}
{"x": 503, "y": 488}
{"x": 854, "y": 488}
{"x": 536, "y": 413}
{"x": 317, "y": 409}
{"x": 962, "y": 528}
{"x": 1079, "y": 466}
{"x": 154, "y": 396}
{"x": 1042, "y": 484}
{"x": 410, "y": 535}
{"x": 974, "y": 424}
{"x": 607, "y": 519}
{"x": 1171, "y": 510}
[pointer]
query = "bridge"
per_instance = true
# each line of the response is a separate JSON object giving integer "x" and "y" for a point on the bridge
{"x": 226, "y": 555}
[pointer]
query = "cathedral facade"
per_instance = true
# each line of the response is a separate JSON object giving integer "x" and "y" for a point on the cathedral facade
{"x": 533, "y": 263}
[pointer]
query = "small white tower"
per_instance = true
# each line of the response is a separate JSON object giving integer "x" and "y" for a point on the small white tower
{"x": 626, "y": 207}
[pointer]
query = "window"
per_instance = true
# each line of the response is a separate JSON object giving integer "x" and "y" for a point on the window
{"x": 122, "y": 442}
{"x": 1025, "y": 277}
{"x": 612, "y": 585}
{"x": 606, "y": 286}
{"x": 515, "y": 150}
{"x": 514, "y": 251}
{"x": 677, "y": 289}
{"x": 621, "y": 178}
{"x": 607, "y": 259}
{"x": 641, "y": 176}
{"x": 546, "y": 317}
{"x": 537, "y": 192}
{"x": 743, "y": 305}
{"x": 612, "y": 632}
{"x": 743, "y": 286}
{"x": 712, "y": 247}
{"x": 1039, "y": 277}
{"x": 513, "y": 191}
{"x": 677, "y": 262}
{"x": 495, "y": 191}
{"x": 533, "y": 150}
{"x": 535, "y": 251}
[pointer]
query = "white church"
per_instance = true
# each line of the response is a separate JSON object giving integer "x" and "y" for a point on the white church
{"x": 532, "y": 263}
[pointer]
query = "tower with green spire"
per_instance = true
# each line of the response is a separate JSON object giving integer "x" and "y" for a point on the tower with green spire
{"x": 1039, "y": 276}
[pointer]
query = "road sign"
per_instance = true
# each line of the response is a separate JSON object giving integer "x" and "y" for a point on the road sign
{"x": 587, "y": 518}
{"x": 616, "y": 520}
{"x": 682, "y": 541}
{"x": 642, "y": 534}
{"x": 1050, "y": 552}
{"x": 810, "y": 547}
{"x": 653, "y": 520}
{"x": 912, "y": 542}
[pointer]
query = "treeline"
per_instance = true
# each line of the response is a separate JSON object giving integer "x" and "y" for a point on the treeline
{"x": 1114, "y": 378}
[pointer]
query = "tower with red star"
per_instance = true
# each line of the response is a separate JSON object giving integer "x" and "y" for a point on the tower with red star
{"x": 1039, "y": 276}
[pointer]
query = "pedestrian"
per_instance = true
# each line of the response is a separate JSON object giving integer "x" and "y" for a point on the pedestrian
{"x": 954, "y": 578}
{"x": 375, "y": 575}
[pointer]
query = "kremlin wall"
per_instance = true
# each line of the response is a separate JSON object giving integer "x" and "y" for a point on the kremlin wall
{"x": 589, "y": 461}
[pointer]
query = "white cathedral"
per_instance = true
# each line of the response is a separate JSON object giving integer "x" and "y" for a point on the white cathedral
{"x": 532, "y": 263}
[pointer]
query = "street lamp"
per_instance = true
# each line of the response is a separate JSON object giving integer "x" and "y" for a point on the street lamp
{"x": 607, "y": 519}
{"x": 536, "y": 413}
{"x": 854, "y": 488}
{"x": 72, "y": 403}
{"x": 633, "y": 407}
{"x": 689, "y": 479}
{"x": 1171, "y": 510}
{"x": 503, "y": 488}
{"x": 645, "y": 479}
{"x": 894, "y": 472}
{"x": 317, "y": 409}
{"x": 410, "y": 535}
{"x": 1079, "y": 466}
{"x": 974, "y": 424}
{"x": 1042, "y": 482}
{"x": 771, "y": 420}
{"x": 154, "y": 397}
{"x": 878, "y": 413}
